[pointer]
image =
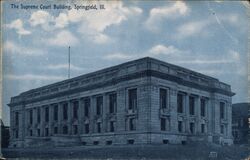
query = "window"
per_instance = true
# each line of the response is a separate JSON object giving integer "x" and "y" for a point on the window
{"x": 75, "y": 109}
{"x": 112, "y": 127}
{"x": 55, "y": 130}
{"x": 180, "y": 126}
{"x": 132, "y": 99}
{"x": 202, "y": 128}
{"x": 65, "y": 130}
{"x": 180, "y": 103}
{"x": 98, "y": 127}
{"x": 95, "y": 142}
{"x": 65, "y": 111}
{"x": 163, "y": 98}
{"x": 191, "y": 105}
{"x": 46, "y": 114}
{"x": 38, "y": 115}
{"x": 130, "y": 141}
{"x": 222, "y": 110}
{"x": 16, "y": 118}
{"x": 75, "y": 129}
{"x": 132, "y": 124}
{"x": 55, "y": 112}
{"x": 31, "y": 116}
{"x": 222, "y": 129}
{"x": 46, "y": 132}
{"x": 16, "y": 133}
{"x": 112, "y": 103}
{"x": 163, "y": 124}
{"x": 203, "y": 107}
{"x": 191, "y": 127}
{"x": 86, "y": 128}
{"x": 86, "y": 107}
{"x": 108, "y": 142}
{"x": 99, "y": 103}
{"x": 31, "y": 132}
{"x": 38, "y": 132}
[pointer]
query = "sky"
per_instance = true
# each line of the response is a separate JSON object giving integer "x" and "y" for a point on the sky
{"x": 209, "y": 37}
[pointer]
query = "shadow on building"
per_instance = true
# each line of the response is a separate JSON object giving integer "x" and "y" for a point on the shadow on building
{"x": 240, "y": 122}
{"x": 5, "y": 135}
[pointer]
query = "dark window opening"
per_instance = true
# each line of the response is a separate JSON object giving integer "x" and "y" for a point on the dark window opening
{"x": 38, "y": 132}
{"x": 165, "y": 141}
{"x": 183, "y": 142}
{"x": 55, "y": 112}
{"x": 180, "y": 103}
{"x": 112, "y": 127}
{"x": 98, "y": 127}
{"x": 163, "y": 98}
{"x": 99, "y": 103}
{"x": 46, "y": 132}
{"x": 112, "y": 103}
{"x": 163, "y": 124}
{"x": 108, "y": 142}
{"x": 84, "y": 143}
{"x": 86, "y": 128}
{"x": 203, "y": 107}
{"x": 31, "y": 116}
{"x": 202, "y": 128}
{"x": 55, "y": 130}
{"x": 16, "y": 118}
{"x": 96, "y": 142}
{"x": 191, "y": 127}
{"x": 38, "y": 115}
{"x": 75, "y": 109}
{"x": 132, "y": 95}
{"x": 65, "y": 130}
{"x": 222, "y": 129}
{"x": 31, "y": 132}
{"x": 86, "y": 107}
{"x": 180, "y": 126}
{"x": 132, "y": 124}
{"x": 65, "y": 111}
{"x": 191, "y": 105}
{"x": 75, "y": 129}
{"x": 16, "y": 133}
{"x": 46, "y": 114}
{"x": 222, "y": 110}
{"x": 131, "y": 141}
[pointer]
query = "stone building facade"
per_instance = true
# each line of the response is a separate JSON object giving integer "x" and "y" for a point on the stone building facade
{"x": 145, "y": 101}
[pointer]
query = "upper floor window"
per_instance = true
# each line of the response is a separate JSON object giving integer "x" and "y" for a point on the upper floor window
{"x": 112, "y": 103}
{"x": 222, "y": 110}
{"x": 191, "y": 105}
{"x": 46, "y": 114}
{"x": 132, "y": 99}
{"x": 65, "y": 111}
{"x": 16, "y": 118}
{"x": 86, "y": 107}
{"x": 132, "y": 124}
{"x": 31, "y": 116}
{"x": 38, "y": 115}
{"x": 180, "y": 103}
{"x": 203, "y": 107}
{"x": 56, "y": 112}
{"x": 163, "y": 98}
{"x": 99, "y": 103}
{"x": 75, "y": 109}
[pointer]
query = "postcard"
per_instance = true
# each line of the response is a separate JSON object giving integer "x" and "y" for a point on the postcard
{"x": 124, "y": 79}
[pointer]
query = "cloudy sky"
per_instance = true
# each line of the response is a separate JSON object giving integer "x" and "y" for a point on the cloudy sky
{"x": 208, "y": 37}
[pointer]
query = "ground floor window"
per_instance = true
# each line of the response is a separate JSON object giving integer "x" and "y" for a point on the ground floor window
{"x": 203, "y": 128}
{"x": 65, "y": 130}
{"x": 46, "y": 132}
{"x": 86, "y": 128}
{"x": 180, "y": 126}
{"x": 55, "y": 130}
{"x": 75, "y": 129}
{"x": 192, "y": 127}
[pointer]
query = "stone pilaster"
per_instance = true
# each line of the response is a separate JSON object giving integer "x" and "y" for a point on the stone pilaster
{"x": 198, "y": 113}
{"x": 186, "y": 112}
{"x": 80, "y": 116}
{"x": 173, "y": 111}
{"x": 105, "y": 111}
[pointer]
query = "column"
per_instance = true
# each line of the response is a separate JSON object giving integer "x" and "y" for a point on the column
{"x": 229, "y": 119}
{"x": 198, "y": 127}
{"x": 51, "y": 119}
{"x": 80, "y": 116}
{"x": 42, "y": 121}
{"x": 209, "y": 116}
{"x": 173, "y": 111}
{"x": 186, "y": 111}
{"x": 92, "y": 114}
{"x": 121, "y": 112}
{"x": 69, "y": 122}
{"x": 104, "y": 113}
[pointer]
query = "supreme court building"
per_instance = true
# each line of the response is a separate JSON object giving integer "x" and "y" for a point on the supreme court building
{"x": 145, "y": 101}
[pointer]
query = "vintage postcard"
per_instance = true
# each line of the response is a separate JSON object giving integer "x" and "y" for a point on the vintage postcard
{"x": 138, "y": 79}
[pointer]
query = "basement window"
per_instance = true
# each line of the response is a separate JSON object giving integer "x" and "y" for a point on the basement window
{"x": 96, "y": 142}
{"x": 165, "y": 141}
{"x": 131, "y": 141}
{"x": 108, "y": 142}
